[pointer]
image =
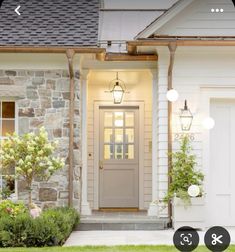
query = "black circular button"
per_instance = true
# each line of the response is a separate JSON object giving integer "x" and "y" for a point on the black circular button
{"x": 217, "y": 239}
{"x": 186, "y": 239}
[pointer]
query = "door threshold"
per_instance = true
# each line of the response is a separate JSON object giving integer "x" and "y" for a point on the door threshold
{"x": 119, "y": 210}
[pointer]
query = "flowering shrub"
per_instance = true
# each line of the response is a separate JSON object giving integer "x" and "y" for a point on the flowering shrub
{"x": 7, "y": 207}
{"x": 32, "y": 157}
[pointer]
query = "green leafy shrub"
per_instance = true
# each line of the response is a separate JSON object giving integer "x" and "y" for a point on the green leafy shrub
{"x": 183, "y": 172}
{"x": 7, "y": 207}
{"x": 52, "y": 228}
{"x": 65, "y": 218}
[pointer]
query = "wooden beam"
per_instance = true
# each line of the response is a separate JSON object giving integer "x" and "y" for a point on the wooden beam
{"x": 70, "y": 55}
{"x": 128, "y": 57}
{"x": 172, "y": 47}
{"x": 131, "y": 48}
{"x": 222, "y": 41}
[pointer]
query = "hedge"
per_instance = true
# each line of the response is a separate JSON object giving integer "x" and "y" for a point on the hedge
{"x": 52, "y": 228}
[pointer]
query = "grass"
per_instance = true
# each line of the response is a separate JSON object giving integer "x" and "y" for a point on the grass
{"x": 106, "y": 249}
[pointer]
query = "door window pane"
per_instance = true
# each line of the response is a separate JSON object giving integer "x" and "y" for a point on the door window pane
{"x": 118, "y": 119}
{"x": 119, "y": 151}
{"x": 108, "y": 151}
{"x": 108, "y": 135}
{"x": 8, "y": 110}
{"x": 108, "y": 119}
{"x": 129, "y": 135}
{"x": 8, "y": 127}
{"x": 129, "y": 117}
{"x": 129, "y": 152}
{"x": 118, "y": 135}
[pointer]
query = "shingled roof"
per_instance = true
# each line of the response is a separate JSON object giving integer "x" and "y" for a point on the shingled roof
{"x": 50, "y": 23}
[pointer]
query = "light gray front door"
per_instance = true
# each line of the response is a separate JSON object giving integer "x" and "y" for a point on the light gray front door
{"x": 118, "y": 166}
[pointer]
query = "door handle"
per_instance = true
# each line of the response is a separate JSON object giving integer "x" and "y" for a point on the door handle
{"x": 101, "y": 165}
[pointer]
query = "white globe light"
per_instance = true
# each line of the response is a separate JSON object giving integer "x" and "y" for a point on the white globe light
{"x": 208, "y": 123}
{"x": 193, "y": 191}
{"x": 172, "y": 95}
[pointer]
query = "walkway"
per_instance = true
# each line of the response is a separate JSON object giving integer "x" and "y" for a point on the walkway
{"x": 112, "y": 238}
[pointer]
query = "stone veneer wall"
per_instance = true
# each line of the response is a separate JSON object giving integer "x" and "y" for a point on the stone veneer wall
{"x": 45, "y": 102}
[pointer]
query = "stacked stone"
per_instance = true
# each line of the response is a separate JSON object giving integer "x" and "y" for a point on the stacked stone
{"x": 45, "y": 102}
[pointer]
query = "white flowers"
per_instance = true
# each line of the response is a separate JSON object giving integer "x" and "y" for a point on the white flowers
{"x": 31, "y": 154}
{"x": 49, "y": 163}
{"x": 18, "y": 169}
{"x": 40, "y": 153}
{"x": 21, "y": 162}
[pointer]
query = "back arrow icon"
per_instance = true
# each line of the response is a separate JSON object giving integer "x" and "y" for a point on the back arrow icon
{"x": 17, "y": 10}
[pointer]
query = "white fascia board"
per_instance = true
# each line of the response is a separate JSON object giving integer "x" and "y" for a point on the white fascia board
{"x": 162, "y": 20}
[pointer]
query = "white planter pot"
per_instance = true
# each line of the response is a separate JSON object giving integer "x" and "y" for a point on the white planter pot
{"x": 192, "y": 215}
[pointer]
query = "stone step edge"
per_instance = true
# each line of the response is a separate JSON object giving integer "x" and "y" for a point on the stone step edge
{"x": 123, "y": 222}
{"x": 120, "y": 226}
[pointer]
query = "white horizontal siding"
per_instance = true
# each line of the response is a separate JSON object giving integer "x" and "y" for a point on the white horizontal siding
{"x": 198, "y": 20}
{"x": 194, "y": 68}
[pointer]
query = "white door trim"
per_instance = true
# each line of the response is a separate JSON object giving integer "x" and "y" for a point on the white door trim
{"x": 97, "y": 106}
{"x": 208, "y": 93}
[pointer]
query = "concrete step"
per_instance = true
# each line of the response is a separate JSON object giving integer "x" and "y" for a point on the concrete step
{"x": 123, "y": 223}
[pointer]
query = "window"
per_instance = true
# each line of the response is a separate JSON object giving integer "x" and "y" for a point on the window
{"x": 119, "y": 128}
{"x": 7, "y": 126}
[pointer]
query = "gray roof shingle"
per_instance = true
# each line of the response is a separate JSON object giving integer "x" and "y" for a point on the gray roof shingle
{"x": 50, "y": 23}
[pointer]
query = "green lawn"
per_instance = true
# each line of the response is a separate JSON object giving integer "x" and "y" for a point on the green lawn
{"x": 107, "y": 249}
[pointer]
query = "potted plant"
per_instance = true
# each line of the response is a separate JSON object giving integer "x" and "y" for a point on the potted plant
{"x": 186, "y": 182}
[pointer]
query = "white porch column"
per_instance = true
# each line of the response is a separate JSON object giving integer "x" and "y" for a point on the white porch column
{"x": 162, "y": 120}
{"x": 85, "y": 206}
{"x": 153, "y": 207}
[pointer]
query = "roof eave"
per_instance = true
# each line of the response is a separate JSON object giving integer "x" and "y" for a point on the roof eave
{"x": 163, "y": 19}
{"x": 49, "y": 49}
{"x": 132, "y": 46}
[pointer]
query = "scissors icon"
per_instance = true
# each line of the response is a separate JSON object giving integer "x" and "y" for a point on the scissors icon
{"x": 216, "y": 239}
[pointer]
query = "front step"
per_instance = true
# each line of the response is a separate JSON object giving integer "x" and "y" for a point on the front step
{"x": 121, "y": 223}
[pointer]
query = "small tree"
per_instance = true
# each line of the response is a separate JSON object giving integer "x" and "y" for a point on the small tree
{"x": 32, "y": 157}
{"x": 183, "y": 172}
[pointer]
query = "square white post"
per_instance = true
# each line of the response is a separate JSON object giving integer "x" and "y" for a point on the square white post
{"x": 153, "y": 207}
{"x": 85, "y": 206}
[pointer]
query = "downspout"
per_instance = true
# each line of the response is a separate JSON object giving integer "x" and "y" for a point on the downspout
{"x": 172, "y": 47}
{"x": 70, "y": 55}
